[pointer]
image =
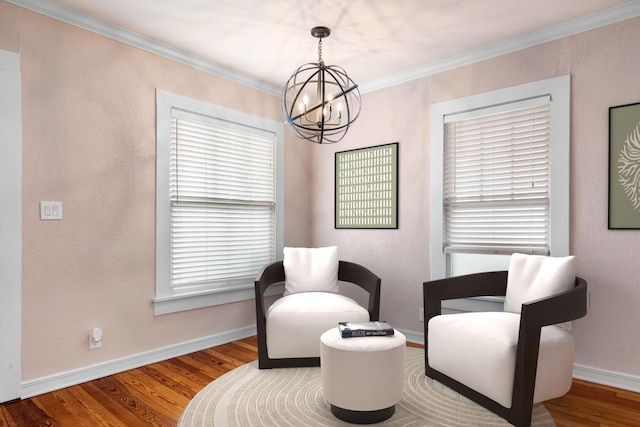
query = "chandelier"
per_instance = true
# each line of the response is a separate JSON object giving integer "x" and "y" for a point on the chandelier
{"x": 320, "y": 102}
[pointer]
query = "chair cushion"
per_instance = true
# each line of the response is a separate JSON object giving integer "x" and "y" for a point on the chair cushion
{"x": 533, "y": 276}
{"x": 296, "y": 322}
{"x": 479, "y": 350}
{"x": 310, "y": 270}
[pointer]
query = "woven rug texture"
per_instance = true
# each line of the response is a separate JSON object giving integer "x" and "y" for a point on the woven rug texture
{"x": 248, "y": 396}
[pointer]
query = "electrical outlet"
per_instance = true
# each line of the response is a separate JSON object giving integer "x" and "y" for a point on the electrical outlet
{"x": 421, "y": 314}
{"x": 95, "y": 339}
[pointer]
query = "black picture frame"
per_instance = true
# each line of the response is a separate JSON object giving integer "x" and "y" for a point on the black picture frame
{"x": 366, "y": 188}
{"x": 624, "y": 167}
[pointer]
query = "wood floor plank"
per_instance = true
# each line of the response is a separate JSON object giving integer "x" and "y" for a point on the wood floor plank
{"x": 222, "y": 358}
{"x": 83, "y": 410}
{"x": 250, "y": 344}
{"x": 53, "y": 404}
{"x": 193, "y": 373}
{"x": 27, "y": 413}
{"x": 120, "y": 409}
{"x": 155, "y": 395}
{"x": 173, "y": 380}
{"x": 166, "y": 400}
{"x": 588, "y": 404}
{"x": 147, "y": 414}
{"x": 236, "y": 352}
{"x": 203, "y": 367}
{"x": 5, "y": 419}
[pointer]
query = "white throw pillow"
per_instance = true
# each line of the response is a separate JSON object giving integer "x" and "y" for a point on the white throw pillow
{"x": 534, "y": 276}
{"x": 311, "y": 270}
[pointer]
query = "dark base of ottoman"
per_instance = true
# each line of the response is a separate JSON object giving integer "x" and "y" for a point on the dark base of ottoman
{"x": 363, "y": 417}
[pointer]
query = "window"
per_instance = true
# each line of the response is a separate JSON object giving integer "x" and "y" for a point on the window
{"x": 496, "y": 180}
{"x": 219, "y": 212}
{"x": 500, "y": 177}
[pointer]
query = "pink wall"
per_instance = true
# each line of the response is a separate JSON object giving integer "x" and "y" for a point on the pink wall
{"x": 89, "y": 141}
{"x": 604, "y": 65}
{"x": 400, "y": 257}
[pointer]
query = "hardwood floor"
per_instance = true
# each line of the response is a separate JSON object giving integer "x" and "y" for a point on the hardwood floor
{"x": 588, "y": 404}
{"x": 155, "y": 395}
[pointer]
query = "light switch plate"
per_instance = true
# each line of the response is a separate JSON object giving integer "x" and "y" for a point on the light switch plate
{"x": 50, "y": 210}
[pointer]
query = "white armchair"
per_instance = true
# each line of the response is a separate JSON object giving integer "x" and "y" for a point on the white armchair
{"x": 289, "y": 330}
{"x": 507, "y": 361}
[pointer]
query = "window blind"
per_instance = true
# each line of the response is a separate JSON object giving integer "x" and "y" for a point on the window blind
{"x": 222, "y": 197}
{"x": 497, "y": 181}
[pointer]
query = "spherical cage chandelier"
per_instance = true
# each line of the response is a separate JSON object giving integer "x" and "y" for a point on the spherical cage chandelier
{"x": 320, "y": 101}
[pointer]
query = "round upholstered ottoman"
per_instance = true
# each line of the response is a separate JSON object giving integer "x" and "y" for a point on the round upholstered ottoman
{"x": 362, "y": 377}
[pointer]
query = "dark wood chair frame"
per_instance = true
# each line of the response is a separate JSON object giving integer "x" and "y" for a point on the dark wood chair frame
{"x": 558, "y": 308}
{"x": 274, "y": 273}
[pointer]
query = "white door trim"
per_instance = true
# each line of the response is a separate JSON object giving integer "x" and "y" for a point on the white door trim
{"x": 10, "y": 227}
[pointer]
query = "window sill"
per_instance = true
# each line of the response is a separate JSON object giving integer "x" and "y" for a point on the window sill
{"x": 192, "y": 301}
{"x": 475, "y": 304}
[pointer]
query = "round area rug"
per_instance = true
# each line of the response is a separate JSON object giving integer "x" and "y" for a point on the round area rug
{"x": 248, "y": 396}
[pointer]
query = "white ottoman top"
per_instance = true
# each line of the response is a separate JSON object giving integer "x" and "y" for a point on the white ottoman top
{"x": 332, "y": 338}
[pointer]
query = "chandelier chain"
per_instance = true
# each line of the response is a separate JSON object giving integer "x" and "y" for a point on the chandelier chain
{"x": 320, "y": 49}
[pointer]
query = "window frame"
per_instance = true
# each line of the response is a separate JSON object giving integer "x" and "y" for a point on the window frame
{"x": 168, "y": 300}
{"x": 558, "y": 89}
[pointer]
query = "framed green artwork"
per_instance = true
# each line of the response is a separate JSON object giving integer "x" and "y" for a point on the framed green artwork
{"x": 624, "y": 167}
{"x": 366, "y": 194}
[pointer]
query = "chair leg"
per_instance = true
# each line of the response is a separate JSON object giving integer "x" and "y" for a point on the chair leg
{"x": 520, "y": 419}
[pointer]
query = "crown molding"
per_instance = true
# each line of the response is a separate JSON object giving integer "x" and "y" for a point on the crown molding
{"x": 89, "y": 23}
{"x": 575, "y": 26}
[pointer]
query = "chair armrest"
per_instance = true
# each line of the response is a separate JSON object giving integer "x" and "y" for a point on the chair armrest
{"x": 365, "y": 279}
{"x": 269, "y": 275}
{"x": 470, "y": 285}
{"x": 561, "y": 307}
{"x": 557, "y": 308}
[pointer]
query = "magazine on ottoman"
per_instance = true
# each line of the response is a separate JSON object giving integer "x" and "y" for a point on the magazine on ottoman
{"x": 365, "y": 329}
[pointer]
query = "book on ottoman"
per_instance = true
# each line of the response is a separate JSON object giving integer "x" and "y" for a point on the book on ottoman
{"x": 365, "y": 329}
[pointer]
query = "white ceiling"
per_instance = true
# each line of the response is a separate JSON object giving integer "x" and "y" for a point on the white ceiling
{"x": 370, "y": 39}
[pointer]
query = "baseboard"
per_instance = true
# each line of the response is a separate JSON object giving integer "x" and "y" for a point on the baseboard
{"x": 610, "y": 378}
{"x": 54, "y": 382}
{"x": 413, "y": 337}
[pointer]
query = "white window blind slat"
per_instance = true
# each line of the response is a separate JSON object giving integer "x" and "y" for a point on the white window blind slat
{"x": 497, "y": 181}
{"x": 222, "y": 198}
